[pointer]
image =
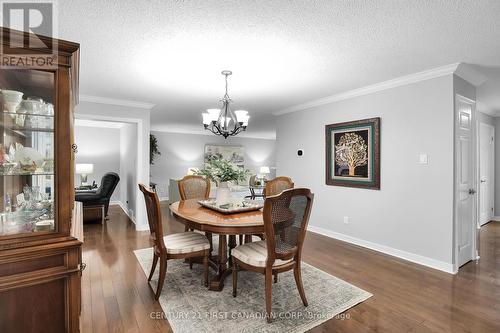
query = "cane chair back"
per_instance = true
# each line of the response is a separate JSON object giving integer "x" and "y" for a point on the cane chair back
{"x": 194, "y": 187}
{"x": 285, "y": 222}
{"x": 278, "y": 185}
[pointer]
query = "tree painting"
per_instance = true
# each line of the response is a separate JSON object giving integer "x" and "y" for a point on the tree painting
{"x": 351, "y": 152}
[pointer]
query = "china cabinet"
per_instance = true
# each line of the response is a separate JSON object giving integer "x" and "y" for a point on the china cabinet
{"x": 40, "y": 239}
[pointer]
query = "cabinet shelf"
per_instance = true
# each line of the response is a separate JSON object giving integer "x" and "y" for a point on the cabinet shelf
{"x": 22, "y": 130}
{"x": 28, "y": 114}
{"x": 43, "y": 173}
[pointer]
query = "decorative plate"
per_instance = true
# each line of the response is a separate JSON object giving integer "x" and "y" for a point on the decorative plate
{"x": 233, "y": 207}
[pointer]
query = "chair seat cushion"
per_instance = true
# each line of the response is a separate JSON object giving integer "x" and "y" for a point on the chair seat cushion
{"x": 186, "y": 242}
{"x": 255, "y": 254}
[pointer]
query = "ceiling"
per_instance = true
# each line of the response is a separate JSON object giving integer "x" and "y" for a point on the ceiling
{"x": 488, "y": 93}
{"x": 282, "y": 52}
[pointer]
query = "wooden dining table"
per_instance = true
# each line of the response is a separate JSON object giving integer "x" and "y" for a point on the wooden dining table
{"x": 226, "y": 226}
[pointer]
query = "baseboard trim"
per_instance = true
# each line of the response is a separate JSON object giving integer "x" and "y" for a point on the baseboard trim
{"x": 122, "y": 206}
{"x": 495, "y": 218}
{"x": 414, "y": 258}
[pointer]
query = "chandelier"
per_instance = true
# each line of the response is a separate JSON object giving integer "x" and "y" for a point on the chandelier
{"x": 224, "y": 121}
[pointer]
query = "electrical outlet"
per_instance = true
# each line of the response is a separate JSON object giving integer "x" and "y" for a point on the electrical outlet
{"x": 346, "y": 219}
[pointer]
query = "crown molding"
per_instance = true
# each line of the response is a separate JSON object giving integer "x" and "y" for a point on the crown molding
{"x": 397, "y": 82}
{"x": 206, "y": 133}
{"x": 98, "y": 123}
{"x": 115, "y": 101}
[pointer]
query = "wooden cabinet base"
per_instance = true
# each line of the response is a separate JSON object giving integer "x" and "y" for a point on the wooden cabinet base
{"x": 93, "y": 214}
{"x": 40, "y": 288}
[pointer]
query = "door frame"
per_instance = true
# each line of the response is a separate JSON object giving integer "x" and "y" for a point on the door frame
{"x": 475, "y": 178}
{"x": 479, "y": 167}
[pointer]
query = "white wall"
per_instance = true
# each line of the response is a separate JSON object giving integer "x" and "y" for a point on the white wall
{"x": 182, "y": 151}
{"x": 141, "y": 118}
{"x": 495, "y": 122}
{"x": 128, "y": 167}
{"x": 101, "y": 147}
{"x": 412, "y": 214}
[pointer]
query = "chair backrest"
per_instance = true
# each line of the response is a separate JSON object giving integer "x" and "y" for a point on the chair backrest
{"x": 154, "y": 216}
{"x": 194, "y": 187}
{"x": 285, "y": 223}
{"x": 251, "y": 180}
{"x": 278, "y": 185}
{"x": 108, "y": 184}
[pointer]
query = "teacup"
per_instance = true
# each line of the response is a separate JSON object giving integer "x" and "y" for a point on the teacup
{"x": 32, "y": 106}
{"x": 11, "y": 99}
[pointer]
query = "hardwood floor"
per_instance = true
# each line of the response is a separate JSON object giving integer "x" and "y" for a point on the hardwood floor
{"x": 407, "y": 297}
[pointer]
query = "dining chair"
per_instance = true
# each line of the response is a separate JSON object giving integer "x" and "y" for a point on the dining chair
{"x": 277, "y": 185}
{"x": 285, "y": 223}
{"x": 195, "y": 187}
{"x": 183, "y": 245}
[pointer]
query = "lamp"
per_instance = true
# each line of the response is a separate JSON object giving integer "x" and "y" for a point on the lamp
{"x": 84, "y": 169}
{"x": 264, "y": 170}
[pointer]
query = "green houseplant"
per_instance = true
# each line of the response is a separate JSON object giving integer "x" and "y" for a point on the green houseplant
{"x": 153, "y": 148}
{"x": 222, "y": 171}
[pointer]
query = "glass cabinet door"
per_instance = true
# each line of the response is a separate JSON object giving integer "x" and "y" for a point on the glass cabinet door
{"x": 27, "y": 176}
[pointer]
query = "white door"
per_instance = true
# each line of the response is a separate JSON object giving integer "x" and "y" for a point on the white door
{"x": 486, "y": 172}
{"x": 464, "y": 178}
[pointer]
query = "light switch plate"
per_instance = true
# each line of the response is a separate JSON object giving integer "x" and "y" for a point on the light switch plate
{"x": 423, "y": 159}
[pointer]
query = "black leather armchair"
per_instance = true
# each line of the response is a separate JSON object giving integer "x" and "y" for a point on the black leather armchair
{"x": 102, "y": 195}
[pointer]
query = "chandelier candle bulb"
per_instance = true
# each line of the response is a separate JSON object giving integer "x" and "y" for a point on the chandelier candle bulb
{"x": 207, "y": 119}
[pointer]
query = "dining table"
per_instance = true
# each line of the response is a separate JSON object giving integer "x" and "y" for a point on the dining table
{"x": 226, "y": 226}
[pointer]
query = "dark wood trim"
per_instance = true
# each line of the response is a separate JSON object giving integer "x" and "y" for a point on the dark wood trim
{"x": 64, "y": 47}
{"x": 41, "y": 271}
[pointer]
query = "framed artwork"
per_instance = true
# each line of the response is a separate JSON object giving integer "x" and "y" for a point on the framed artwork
{"x": 235, "y": 154}
{"x": 353, "y": 154}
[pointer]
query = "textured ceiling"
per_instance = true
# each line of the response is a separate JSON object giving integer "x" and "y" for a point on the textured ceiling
{"x": 488, "y": 93}
{"x": 282, "y": 52}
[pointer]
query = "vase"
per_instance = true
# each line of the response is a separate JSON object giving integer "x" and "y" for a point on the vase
{"x": 222, "y": 195}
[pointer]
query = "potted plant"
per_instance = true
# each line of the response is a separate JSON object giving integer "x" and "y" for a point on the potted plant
{"x": 153, "y": 148}
{"x": 221, "y": 172}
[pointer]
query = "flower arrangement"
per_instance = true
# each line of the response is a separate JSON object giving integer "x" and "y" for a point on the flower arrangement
{"x": 221, "y": 171}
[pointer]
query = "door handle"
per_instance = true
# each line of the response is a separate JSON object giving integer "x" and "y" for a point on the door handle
{"x": 472, "y": 191}
{"x": 483, "y": 181}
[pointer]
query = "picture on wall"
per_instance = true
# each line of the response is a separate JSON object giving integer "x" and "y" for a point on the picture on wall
{"x": 353, "y": 154}
{"x": 235, "y": 154}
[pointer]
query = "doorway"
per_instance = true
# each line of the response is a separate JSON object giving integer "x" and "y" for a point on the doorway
{"x": 111, "y": 146}
{"x": 486, "y": 172}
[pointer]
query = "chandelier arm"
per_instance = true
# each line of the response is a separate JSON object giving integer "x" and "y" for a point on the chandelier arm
{"x": 219, "y": 132}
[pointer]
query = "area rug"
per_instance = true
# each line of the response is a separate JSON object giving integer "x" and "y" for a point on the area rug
{"x": 190, "y": 307}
